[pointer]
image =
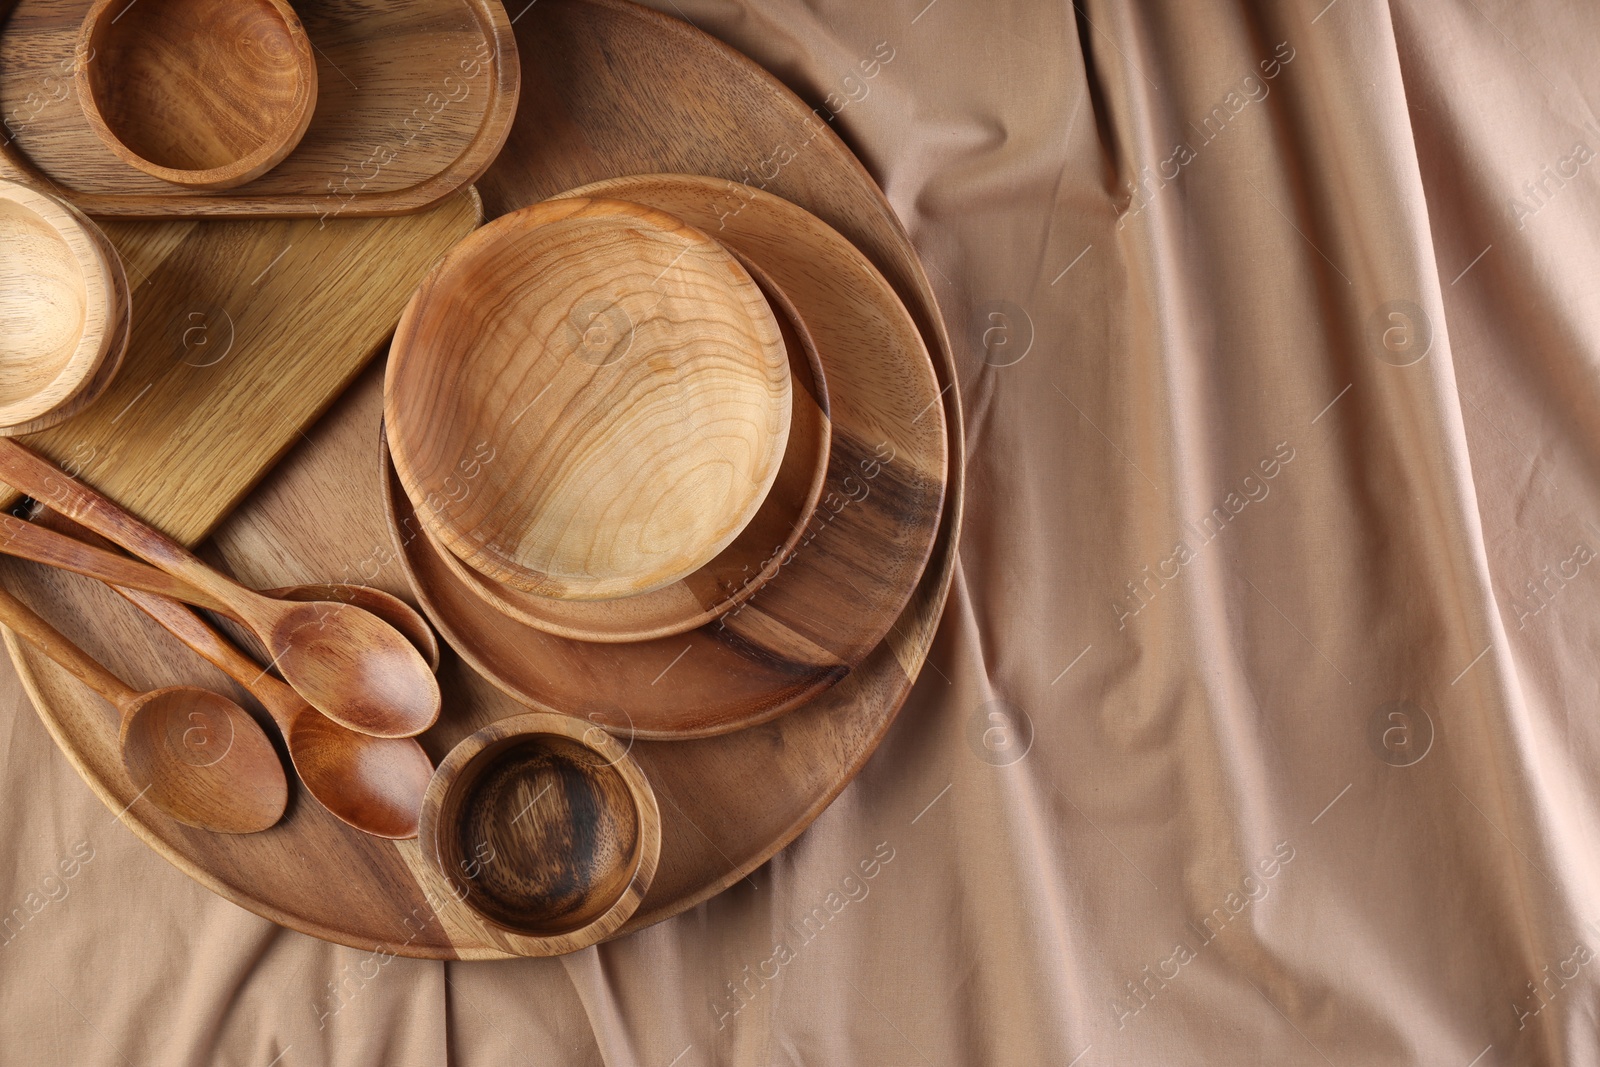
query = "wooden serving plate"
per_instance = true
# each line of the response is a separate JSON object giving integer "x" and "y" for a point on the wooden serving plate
{"x": 727, "y": 803}
{"x": 414, "y": 98}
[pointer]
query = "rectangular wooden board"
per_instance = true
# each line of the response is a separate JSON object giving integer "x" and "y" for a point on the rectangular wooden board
{"x": 244, "y": 331}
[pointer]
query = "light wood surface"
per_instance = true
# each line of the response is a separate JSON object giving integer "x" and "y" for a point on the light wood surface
{"x": 198, "y": 756}
{"x": 545, "y": 827}
{"x": 844, "y": 583}
{"x": 64, "y": 310}
{"x": 202, "y": 93}
{"x": 244, "y": 331}
{"x": 352, "y": 666}
{"x": 739, "y": 570}
{"x": 616, "y": 90}
{"x": 413, "y": 101}
{"x": 587, "y": 400}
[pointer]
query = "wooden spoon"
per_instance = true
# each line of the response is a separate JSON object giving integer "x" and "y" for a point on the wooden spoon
{"x": 40, "y": 544}
{"x": 206, "y": 761}
{"x": 348, "y": 663}
{"x": 373, "y": 783}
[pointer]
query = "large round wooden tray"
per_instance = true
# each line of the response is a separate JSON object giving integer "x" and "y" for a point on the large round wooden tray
{"x": 609, "y": 89}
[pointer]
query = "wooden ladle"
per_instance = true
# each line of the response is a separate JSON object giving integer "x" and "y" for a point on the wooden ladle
{"x": 373, "y": 783}
{"x": 206, "y": 762}
{"x": 349, "y": 664}
{"x": 40, "y": 544}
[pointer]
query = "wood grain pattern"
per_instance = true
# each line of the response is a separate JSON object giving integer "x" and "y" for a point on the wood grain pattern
{"x": 375, "y": 784}
{"x": 547, "y": 828}
{"x": 244, "y": 331}
{"x": 198, "y": 756}
{"x": 587, "y": 399}
{"x": 414, "y": 99}
{"x": 64, "y": 310}
{"x": 617, "y": 90}
{"x": 739, "y": 570}
{"x": 354, "y": 667}
{"x": 208, "y": 94}
{"x": 840, "y": 588}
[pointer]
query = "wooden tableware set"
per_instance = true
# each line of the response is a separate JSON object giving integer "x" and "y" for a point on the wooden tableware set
{"x": 666, "y": 452}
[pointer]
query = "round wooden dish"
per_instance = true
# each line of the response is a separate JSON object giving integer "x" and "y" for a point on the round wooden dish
{"x": 587, "y": 399}
{"x": 741, "y": 568}
{"x": 64, "y": 310}
{"x": 611, "y": 88}
{"x": 842, "y": 585}
{"x": 204, "y": 93}
{"x": 545, "y": 827}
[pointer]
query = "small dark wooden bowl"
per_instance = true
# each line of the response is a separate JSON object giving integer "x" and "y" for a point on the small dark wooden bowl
{"x": 545, "y": 827}
{"x": 204, "y": 93}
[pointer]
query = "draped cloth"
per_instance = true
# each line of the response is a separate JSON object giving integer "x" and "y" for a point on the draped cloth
{"x": 1260, "y": 723}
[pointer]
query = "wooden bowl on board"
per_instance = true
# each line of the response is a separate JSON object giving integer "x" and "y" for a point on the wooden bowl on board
{"x": 546, "y": 828}
{"x": 203, "y": 93}
{"x": 739, "y": 570}
{"x": 587, "y": 399}
{"x": 65, "y": 311}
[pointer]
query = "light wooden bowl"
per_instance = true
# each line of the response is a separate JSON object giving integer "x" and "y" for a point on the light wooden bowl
{"x": 204, "y": 93}
{"x": 587, "y": 399}
{"x": 64, "y": 310}
{"x": 546, "y": 828}
{"x": 740, "y": 569}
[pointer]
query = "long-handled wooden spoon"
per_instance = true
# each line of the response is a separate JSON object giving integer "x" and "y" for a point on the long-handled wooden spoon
{"x": 373, "y": 783}
{"x": 202, "y": 758}
{"x": 40, "y": 544}
{"x": 348, "y": 663}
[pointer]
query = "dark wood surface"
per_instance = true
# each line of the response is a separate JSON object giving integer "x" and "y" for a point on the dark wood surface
{"x": 413, "y": 101}
{"x": 728, "y": 803}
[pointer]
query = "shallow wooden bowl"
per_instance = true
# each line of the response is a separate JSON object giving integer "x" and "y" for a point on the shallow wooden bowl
{"x": 64, "y": 310}
{"x": 546, "y": 828}
{"x": 204, "y": 93}
{"x": 739, "y": 570}
{"x": 841, "y": 588}
{"x": 587, "y": 399}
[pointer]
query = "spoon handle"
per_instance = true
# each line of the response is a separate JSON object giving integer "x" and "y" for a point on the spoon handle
{"x": 30, "y": 541}
{"x": 53, "y": 643}
{"x": 189, "y": 628}
{"x": 45, "y": 482}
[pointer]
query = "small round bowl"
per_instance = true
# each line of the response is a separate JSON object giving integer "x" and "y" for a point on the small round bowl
{"x": 587, "y": 399}
{"x": 208, "y": 94}
{"x": 64, "y": 310}
{"x": 546, "y": 828}
{"x": 739, "y": 570}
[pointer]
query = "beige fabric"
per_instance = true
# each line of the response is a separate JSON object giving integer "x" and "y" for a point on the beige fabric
{"x": 1261, "y": 723}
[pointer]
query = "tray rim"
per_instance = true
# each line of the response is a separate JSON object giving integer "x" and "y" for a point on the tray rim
{"x": 910, "y": 652}
{"x": 479, "y": 154}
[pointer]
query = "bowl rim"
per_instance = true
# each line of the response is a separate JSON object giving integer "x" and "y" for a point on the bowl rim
{"x": 515, "y": 603}
{"x": 404, "y": 354}
{"x": 106, "y": 305}
{"x": 454, "y": 774}
{"x": 282, "y": 137}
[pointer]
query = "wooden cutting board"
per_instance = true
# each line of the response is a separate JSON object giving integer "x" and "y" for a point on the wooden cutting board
{"x": 414, "y": 99}
{"x": 621, "y": 90}
{"x": 244, "y": 331}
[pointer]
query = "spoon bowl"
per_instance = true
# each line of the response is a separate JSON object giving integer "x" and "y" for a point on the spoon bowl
{"x": 353, "y": 666}
{"x": 373, "y": 783}
{"x": 206, "y": 760}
